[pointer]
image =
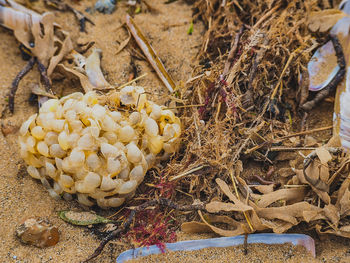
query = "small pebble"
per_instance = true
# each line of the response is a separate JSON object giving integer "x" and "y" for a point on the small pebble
{"x": 38, "y": 232}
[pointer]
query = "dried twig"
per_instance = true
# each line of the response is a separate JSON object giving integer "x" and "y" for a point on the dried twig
{"x": 16, "y": 81}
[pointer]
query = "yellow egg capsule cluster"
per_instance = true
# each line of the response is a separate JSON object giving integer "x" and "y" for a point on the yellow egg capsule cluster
{"x": 97, "y": 147}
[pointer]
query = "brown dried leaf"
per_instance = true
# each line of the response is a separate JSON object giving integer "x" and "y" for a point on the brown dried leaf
{"x": 342, "y": 232}
{"x": 223, "y": 219}
{"x": 345, "y": 203}
{"x": 224, "y": 187}
{"x": 285, "y": 172}
{"x": 66, "y": 47}
{"x": 323, "y": 154}
{"x": 290, "y": 213}
{"x": 84, "y": 81}
{"x": 309, "y": 141}
{"x": 321, "y": 194}
{"x": 289, "y": 195}
{"x": 195, "y": 227}
{"x": 44, "y": 47}
{"x": 265, "y": 189}
{"x": 215, "y": 207}
{"x": 124, "y": 43}
{"x": 332, "y": 213}
{"x": 323, "y": 20}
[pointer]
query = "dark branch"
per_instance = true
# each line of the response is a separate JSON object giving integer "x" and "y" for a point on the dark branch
{"x": 16, "y": 81}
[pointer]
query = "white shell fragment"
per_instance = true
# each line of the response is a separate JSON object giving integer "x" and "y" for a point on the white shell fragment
{"x": 80, "y": 145}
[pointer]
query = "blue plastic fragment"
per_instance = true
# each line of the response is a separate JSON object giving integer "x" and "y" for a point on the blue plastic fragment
{"x": 105, "y": 6}
{"x": 269, "y": 238}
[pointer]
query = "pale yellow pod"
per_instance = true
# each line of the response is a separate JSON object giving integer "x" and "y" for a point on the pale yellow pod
{"x": 109, "y": 150}
{"x": 134, "y": 154}
{"x": 116, "y": 116}
{"x": 76, "y": 126}
{"x": 169, "y": 148}
{"x": 73, "y": 139}
{"x": 113, "y": 166}
{"x": 134, "y": 118}
{"x": 155, "y": 144}
{"x": 51, "y": 170}
{"x": 58, "y": 162}
{"x": 27, "y": 124}
{"x": 31, "y": 142}
{"x": 55, "y": 150}
{"x": 137, "y": 174}
{"x": 70, "y": 115}
{"x": 120, "y": 146}
{"x": 91, "y": 181}
{"x": 23, "y": 150}
{"x": 128, "y": 187}
{"x": 111, "y": 137}
{"x": 63, "y": 140}
{"x": 51, "y": 138}
{"x": 151, "y": 127}
{"x": 33, "y": 172}
{"x": 87, "y": 142}
{"x": 84, "y": 199}
{"x": 126, "y": 134}
{"x": 33, "y": 161}
{"x": 150, "y": 159}
{"x": 77, "y": 157}
{"x": 90, "y": 98}
{"x": 44, "y": 120}
{"x": 43, "y": 148}
{"x": 107, "y": 183}
{"x": 57, "y": 188}
{"x": 110, "y": 202}
{"x": 124, "y": 174}
{"x": 38, "y": 132}
{"x": 73, "y": 96}
{"x": 49, "y": 106}
{"x": 95, "y": 128}
{"x": 65, "y": 181}
{"x": 57, "y": 125}
{"x": 168, "y": 132}
{"x": 68, "y": 105}
{"x": 156, "y": 112}
{"x": 93, "y": 161}
{"x": 98, "y": 112}
{"x": 108, "y": 124}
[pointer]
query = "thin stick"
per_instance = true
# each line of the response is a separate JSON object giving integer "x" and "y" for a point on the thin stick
{"x": 44, "y": 77}
{"x": 132, "y": 81}
{"x": 290, "y": 149}
{"x": 257, "y": 147}
{"x": 150, "y": 54}
{"x": 16, "y": 81}
{"x": 232, "y": 52}
{"x": 269, "y": 13}
{"x": 186, "y": 173}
